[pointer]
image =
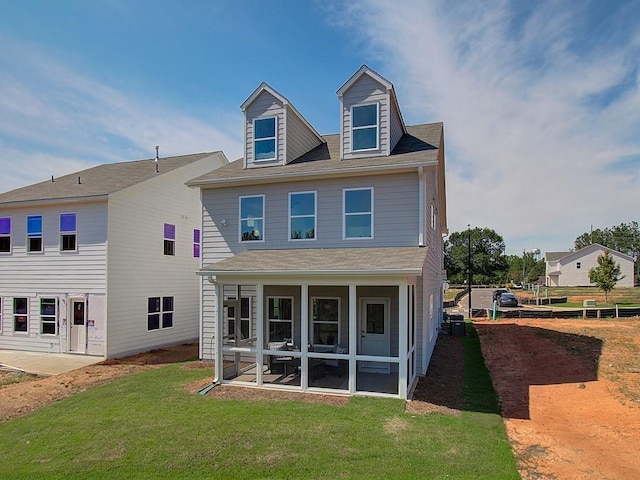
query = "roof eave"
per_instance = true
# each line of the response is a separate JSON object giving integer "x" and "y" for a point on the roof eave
{"x": 296, "y": 273}
{"x": 55, "y": 201}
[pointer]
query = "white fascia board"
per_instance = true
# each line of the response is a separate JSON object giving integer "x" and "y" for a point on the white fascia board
{"x": 415, "y": 271}
{"x": 55, "y": 201}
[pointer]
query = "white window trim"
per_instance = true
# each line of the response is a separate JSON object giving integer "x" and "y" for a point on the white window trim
{"x": 314, "y": 322}
{"x": 161, "y": 312}
{"x": 264, "y": 220}
{"x": 344, "y": 214}
{"x": 315, "y": 217}
{"x": 55, "y": 315}
{"x": 14, "y": 315}
{"x": 235, "y": 317}
{"x": 274, "y": 138}
{"x": 165, "y": 239}
{"x": 41, "y": 251}
{"x": 75, "y": 232}
{"x": 377, "y": 125}
{"x": 277, "y": 320}
{"x": 10, "y": 234}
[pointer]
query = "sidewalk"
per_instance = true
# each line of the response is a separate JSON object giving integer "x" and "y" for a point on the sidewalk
{"x": 44, "y": 363}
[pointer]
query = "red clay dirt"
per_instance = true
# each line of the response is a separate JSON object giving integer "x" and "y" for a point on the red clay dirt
{"x": 570, "y": 393}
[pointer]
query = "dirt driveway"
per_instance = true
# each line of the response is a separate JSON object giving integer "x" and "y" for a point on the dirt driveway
{"x": 570, "y": 393}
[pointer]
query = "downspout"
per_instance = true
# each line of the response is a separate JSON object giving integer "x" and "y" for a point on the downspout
{"x": 218, "y": 353}
{"x": 422, "y": 203}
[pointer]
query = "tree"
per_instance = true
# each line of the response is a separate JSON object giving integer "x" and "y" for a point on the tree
{"x": 488, "y": 263}
{"x": 606, "y": 274}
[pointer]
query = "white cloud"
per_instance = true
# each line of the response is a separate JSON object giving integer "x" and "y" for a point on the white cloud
{"x": 54, "y": 120}
{"x": 526, "y": 149}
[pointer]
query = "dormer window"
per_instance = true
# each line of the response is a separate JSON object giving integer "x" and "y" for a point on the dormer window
{"x": 364, "y": 127}
{"x": 264, "y": 138}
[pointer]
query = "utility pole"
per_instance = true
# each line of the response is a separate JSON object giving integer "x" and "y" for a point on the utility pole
{"x": 470, "y": 280}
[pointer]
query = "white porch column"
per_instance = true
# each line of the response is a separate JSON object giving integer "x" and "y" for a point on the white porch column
{"x": 354, "y": 336}
{"x": 259, "y": 331}
{"x": 403, "y": 318}
{"x": 217, "y": 331}
{"x": 304, "y": 333}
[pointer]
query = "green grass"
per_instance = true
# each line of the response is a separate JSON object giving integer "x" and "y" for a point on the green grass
{"x": 450, "y": 293}
{"x": 148, "y": 426}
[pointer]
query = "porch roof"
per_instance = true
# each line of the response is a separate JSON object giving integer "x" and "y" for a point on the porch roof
{"x": 323, "y": 261}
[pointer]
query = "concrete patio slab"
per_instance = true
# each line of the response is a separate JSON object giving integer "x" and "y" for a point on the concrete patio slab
{"x": 45, "y": 363}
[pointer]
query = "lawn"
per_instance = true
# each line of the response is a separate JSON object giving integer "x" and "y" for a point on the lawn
{"x": 148, "y": 425}
{"x": 621, "y": 296}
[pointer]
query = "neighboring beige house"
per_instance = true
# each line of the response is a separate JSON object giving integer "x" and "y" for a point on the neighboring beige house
{"x": 101, "y": 262}
{"x": 571, "y": 269}
{"x": 323, "y": 254}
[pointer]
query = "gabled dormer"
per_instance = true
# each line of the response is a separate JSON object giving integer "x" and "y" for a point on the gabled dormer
{"x": 275, "y": 132}
{"x": 371, "y": 122}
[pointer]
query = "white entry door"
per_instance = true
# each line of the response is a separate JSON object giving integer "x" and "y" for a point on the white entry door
{"x": 375, "y": 337}
{"x": 78, "y": 330}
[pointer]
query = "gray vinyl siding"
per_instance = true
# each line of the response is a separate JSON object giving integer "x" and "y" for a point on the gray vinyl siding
{"x": 51, "y": 274}
{"x": 138, "y": 268}
{"x": 299, "y": 138}
{"x": 365, "y": 91}
{"x": 395, "y": 127}
{"x": 265, "y": 105}
{"x": 396, "y": 212}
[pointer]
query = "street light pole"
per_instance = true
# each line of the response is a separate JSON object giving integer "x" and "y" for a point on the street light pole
{"x": 470, "y": 280}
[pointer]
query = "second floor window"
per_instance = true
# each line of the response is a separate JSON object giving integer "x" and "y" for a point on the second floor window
{"x": 264, "y": 138}
{"x": 169, "y": 239}
{"x": 196, "y": 243}
{"x": 358, "y": 213}
{"x": 302, "y": 216}
{"x": 5, "y": 234}
{"x": 252, "y": 218}
{"x": 68, "y": 232}
{"x": 34, "y": 233}
{"x": 364, "y": 130}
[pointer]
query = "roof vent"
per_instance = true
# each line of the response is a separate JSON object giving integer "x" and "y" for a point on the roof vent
{"x": 52, "y": 178}
{"x": 79, "y": 182}
{"x": 157, "y": 158}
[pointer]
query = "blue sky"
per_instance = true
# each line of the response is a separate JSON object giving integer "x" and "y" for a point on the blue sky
{"x": 541, "y": 100}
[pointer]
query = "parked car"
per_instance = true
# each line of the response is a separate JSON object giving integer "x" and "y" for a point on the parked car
{"x": 498, "y": 292}
{"x": 508, "y": 300}
{"x": 517, "y": 285}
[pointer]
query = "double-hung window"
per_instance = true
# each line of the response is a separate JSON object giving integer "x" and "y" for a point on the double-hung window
{"x": 68, "y": 232}
{"x": 159, "y": 313}
{"x": 280, "y": 316}
{"x": 302, "y": 216}
{"x": 364, "y": 129}
{"x": 326, "y": 321}
{"x": 196, "y": 243}
{"x": 357, "y": 213}
{"x": 34, "y": 233}
{"x": 169, "y": 239}
{"x": 48, "y": 316}
{"x": 264, "y": 138}
{"x": 20, "y": 314}
{"x": 245, "y": 318}
{"x": 252, "y": 218}
{"x": 5, "y": 234}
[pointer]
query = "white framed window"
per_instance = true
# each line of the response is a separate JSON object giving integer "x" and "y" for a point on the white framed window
{"x": 34, "y": 233}
{"x": 264, "y": 138}
{"x": 48, "y": 316}
{"x": 302, "y": 215}
{"x": 5, "y": 234}
{"x": 20, "y": 314}
{"x": 159, "y": 313}
{"x": 169, "y": 235}
{"x": 196, "y": 243}
{"x": 252, "y": 218}
{"x": 245, "y": 318}
{"x": 68, "y": 232}
{"x": 280, "y": 318}
{"x": 364, "y": 127}
{"x": 325, "y": 316}
{"x": 357, "y": 213}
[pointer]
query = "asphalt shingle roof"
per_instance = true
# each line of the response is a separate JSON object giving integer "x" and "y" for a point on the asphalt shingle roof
{"x": 100, "y": 180}
{"x": 322, "y": 260}
{"x": 419, "y": 145}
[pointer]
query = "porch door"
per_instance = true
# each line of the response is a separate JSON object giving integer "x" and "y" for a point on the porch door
{"x": 78, "y": 330}
{"x": 375, "y": 337}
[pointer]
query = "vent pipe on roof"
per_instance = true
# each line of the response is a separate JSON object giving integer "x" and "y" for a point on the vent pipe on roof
{"x": 79, "y": 182}
{"x": 52, "y": 178}
{"x": 157, "y": 158}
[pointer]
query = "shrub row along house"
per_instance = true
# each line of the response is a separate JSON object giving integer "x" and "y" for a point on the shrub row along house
{"x": 319, "y": 257}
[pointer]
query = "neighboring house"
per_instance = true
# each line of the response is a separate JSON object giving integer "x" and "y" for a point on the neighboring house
{"x": 571, "y": 269}
{"x": 101, "y": 262}
{"x": 327, "y": 247}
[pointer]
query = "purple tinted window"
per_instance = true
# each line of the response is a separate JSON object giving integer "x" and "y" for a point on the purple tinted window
{"x": 169, "y": 231}
{"x": 196, "y": 250}
{"x": 196, "y": 235}
{"x": 67, "y": 222}
{"x": 5, "y": 226}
